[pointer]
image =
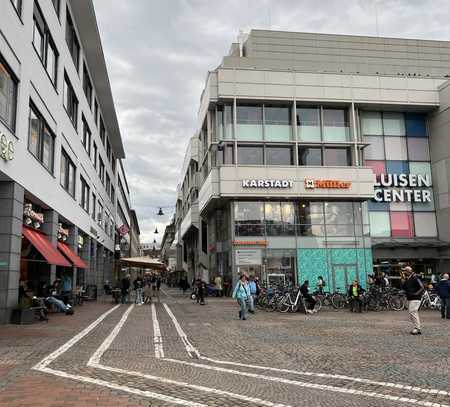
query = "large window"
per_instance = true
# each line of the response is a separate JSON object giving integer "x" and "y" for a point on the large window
{"x": 279, "y": 218}
{"x": 101, "y": 170}
{"x": 311, "y": 219}
{"x": 67, "y": 173}
{"x": 70, "y": 101}
{"x": 72, "y": 41}
{"x": 87, "y": 86}
{"x": 225, "y": 122}
{"x": 249, "y": 122}
{"x": 108, "y": 150}
{"x": 308, "y": 123}
{"x": 85, "y": 194}
{"x": 41, "y": 140}
{"x": 279, "y": 155}
{"x": 102, "y": 131}
{"x": 44, "y": 45}
{"x": 335, "y": 125}
{"x": 8, "y": 95}
{"x": 95, "y": 157}
{"x": 277, "y": 123}
{"x": 249, "y": 218}
{"x": 94, "y": 206}
{"x": 86, "y": 136}
{"x": 337, "y": 156}
{"x": 310, "y": 156}
{"x": 225, "y": 154}
{"x": 250, "y": 155}
{"x": 18, "y": 6}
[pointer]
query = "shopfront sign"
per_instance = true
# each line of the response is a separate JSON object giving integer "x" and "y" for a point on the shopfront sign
{"x": 267, "y": 183}
{"x": 248, "y": 257}
{"x": 402, "y": 188}
{"x": 311, "y": 183}
{"x": 250, "y": 242}
{"x": 6, "y": 148}
{"x": 123, "y": 230}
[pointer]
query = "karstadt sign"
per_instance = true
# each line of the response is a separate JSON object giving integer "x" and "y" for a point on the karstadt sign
{"x": 267, "y": 183}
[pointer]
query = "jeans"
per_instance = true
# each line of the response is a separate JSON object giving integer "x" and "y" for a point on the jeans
{"x": 413, "y": 309}
{"x": 139, "y": 296}
{"x": 243, "y": 308}
{"x": 251, "y": 303}
{"x": 124, "y": 297}
{"x": 355, "y": 302}
{"x": 445, "y": 307}
{"x": 57, "y": 303}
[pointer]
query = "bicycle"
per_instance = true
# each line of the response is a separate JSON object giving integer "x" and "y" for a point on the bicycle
{"x": 288, "y": 303}
{"x": 431, "y": 301}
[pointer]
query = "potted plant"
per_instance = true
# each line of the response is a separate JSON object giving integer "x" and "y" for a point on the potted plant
{"x": 22, "y": 314}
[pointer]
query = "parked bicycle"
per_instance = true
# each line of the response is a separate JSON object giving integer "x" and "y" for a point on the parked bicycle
{"x": 430, "y": 301}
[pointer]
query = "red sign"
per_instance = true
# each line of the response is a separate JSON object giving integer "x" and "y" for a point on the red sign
{"x": 327, "y": 184}
{"x": 123, "y": 230}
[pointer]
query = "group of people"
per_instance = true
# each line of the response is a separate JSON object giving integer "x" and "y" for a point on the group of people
{"x": 245, "y": 291}
{"x": 145, "y": 288}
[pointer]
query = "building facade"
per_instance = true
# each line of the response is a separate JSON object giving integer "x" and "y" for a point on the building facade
{"x": 319, "y": 155}
{"x": 61, "y": 150}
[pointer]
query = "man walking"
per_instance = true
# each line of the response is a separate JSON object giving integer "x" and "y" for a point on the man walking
{"x": 443, "y": 289}
{"x": 414, "y": 289}
{"x": 125, "y": 288}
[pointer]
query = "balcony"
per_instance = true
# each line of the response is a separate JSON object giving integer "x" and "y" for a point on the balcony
{"x": 192, "y": 219}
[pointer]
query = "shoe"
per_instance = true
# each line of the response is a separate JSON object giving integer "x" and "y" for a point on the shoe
{"x": 69, "y": 311}
{"x": 309, "y": 311}
{"x": 251, "y": 312}
{"x": 416, "y": 332}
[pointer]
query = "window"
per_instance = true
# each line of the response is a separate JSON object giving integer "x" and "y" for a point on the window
{"x": 225, "y": 154}
{"x": 249, "y": 122}
{"x": 96, "y": 112}
{"x": 85, "y": 192}
{"x": 102, "y": 131}
{"x": 95, "y": 154}
{"x": 67, "y": 174}
{"x": 17, "y": 5}
{"x": 101, "y": 171}
{"x": 225, "y": 122}
{"x": 113, "y": 164}
{"x": 311, "y": 219}
{"x": 310, "y": 156}
{"x": 204, "y": 237}
{"x": 86, "y": 137}
{"x": 113, "y": 194}
{"x": 337, "y": 157}
{"x": 8, "y": 95}
{"x": 250, "y": 155}
{"x": 94, "y": 205}
{"x": 279, "y": 218}
{"x": 44, "y": 45}
{"x": 56, "y": 4}
{"x": 100, "y": 213}
{"x": 277, "y": 123}
{"x": 308, "y": 124}
{"x": 41, "y": 140}
{"x": 249, "y": 218}
{"x": 108, "y": 184}
{"x": 87, "y": 86}
{"x": 279, "y": 155}
{"x": 335, "y": 125}
{"x": 108, "y": 150}
{"x": 70, "y": 101}
{"x": 72, "y": 41}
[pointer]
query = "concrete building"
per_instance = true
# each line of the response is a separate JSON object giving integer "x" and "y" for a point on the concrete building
{"x": 61, "y": 150}
{"x": 319, "y": 155}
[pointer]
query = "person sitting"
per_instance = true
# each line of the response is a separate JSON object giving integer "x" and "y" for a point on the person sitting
{"x": 320, "y": 285}
{"x": 51, "y": 299}
{"x": 309, "y": 299}
{"x": 355, "y": 293}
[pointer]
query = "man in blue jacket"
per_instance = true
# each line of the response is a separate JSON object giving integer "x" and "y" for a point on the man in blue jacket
{"x": 443, "y": 289}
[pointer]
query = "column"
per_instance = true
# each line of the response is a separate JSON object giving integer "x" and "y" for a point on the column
{"x": 85, "y": 254}
{"x": 90, "y": 277}
{"x": 100, "y": 268}
{"x": 50, "y": 228}
{"x": 72, "y": 242}
{"x": 11, "y": 218}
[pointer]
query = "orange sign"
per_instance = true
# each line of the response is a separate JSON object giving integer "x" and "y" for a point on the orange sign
{"x": 327, "y": 183}
{"x": 250, "y": 242}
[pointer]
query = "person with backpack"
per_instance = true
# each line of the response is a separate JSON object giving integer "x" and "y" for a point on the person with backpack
{"x": 443, "y": 289}
{"x": 414, "y": 288}
{"x": 242, "y": 294}
{"x": 320, "y": 285}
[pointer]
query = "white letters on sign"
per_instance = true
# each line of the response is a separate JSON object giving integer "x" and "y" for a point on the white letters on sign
{"x": 267, "y": 183}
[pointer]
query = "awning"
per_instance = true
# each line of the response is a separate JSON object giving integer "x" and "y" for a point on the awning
{"x": 72, "y": 256}
{"x": 143, "y": 262}
{"x": 42, "y": 244}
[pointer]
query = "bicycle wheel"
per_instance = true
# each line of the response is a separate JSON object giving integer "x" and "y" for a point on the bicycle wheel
{"x": 272, "y": 304}
{"x": 284, "y": 306}
{"x": 373, "y": 304}
{"x": 396, "y": 302}
{"x": 435, "y": 302}
{"x": 338, "y": 301}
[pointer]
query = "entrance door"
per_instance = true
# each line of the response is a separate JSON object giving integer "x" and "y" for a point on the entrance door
{"x": 343, "y": 275}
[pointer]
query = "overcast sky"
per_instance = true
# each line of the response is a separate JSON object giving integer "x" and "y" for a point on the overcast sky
{"x": 158, "y": 53}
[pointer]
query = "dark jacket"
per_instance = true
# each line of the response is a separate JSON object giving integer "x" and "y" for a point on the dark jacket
{"x": 125, "y": 286}
{"x": 360, "y": 290}
{"x": 138, "y": 283}
{"x": 304, "y": 289}
{"x": 413, "y": 287}
{"x": 443, "y": 288}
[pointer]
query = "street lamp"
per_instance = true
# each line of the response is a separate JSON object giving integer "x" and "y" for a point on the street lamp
{"x": 156, "y": 231}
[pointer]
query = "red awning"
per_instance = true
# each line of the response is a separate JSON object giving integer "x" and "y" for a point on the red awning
{"x": 42, "y": 244}
{"x": 72, "y": 256}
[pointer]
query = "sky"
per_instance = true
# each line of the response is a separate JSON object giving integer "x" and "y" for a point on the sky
{"x": 158, "y": 53}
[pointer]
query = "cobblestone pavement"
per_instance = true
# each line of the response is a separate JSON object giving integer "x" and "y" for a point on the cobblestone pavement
{"x": 180, "y": 353}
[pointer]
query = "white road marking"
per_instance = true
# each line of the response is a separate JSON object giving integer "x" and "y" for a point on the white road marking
{"x": 157, "y": 339}
{"x": 97, "y": 355}
{"x": 190, "y": 349}
{"x": 301, "y": 373}
{"x": 64, "y": 348}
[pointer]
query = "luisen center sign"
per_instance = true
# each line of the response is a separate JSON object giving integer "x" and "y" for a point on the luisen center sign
{"x": 402, "y": 188}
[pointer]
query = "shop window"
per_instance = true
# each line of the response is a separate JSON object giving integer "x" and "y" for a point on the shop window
{"x": 225, "y": 122}
{"x": 250, "y": 155}
{"x": 311, "y": 219}
{"x": 335, "y": 125}
{"x": 393, "y": 124}
{"x": 402, "y": 224}
{"x": 339, "y": 218}
{"x": 8, "y": 95}
{"x": 380, "y": 225}
{"x": 371, "y": 123}
{"x": 310, "y": 156}
{"x": 279, "y": 218}
{"x": 425, "y": 224}
{"x": 67, "y": 173}
{"x": 249, "y": 218}
{"x": 41, "y": 140}
{"x": 395, "y": 148}
{"x": 418, "y": 149}
{"x": 375, "y": 148}
{"x": 416, "y": 125}
{"x": 337, "y": 157}
{"x": 277, "y": 123}
{"x": 308, "y": 124}
{"x": 85, "y": 194}
{"x": 249, "y": 122}
{"x": 279, "y": 155}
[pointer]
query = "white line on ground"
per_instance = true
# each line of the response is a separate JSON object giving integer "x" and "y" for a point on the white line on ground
{"x": 399, "y": 386}
{"x": 157, "y": 339}
{"x": 64, "y": 348}
{"x": 97, "y": 355}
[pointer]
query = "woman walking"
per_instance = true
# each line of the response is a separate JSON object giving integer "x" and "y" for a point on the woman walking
{"x": 242, "y": 294}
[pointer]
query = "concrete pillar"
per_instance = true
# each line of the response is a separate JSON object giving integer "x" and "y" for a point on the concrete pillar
{"x": 72, "y": 242}
{"x": 91, "y": 276}
{"x": 50, "y": 228}
{"x": 11, "y": 219}
{"x": 100, "y": 268}
{"x": 85, "y": 254}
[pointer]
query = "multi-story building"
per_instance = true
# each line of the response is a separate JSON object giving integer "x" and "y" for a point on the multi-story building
{"x": 319, "y": 155}
{"x": 61, "y": 148}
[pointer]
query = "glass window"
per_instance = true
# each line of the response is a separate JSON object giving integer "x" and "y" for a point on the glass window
{"x": 56, "y": 6}
{"x": 418, "y": 149}
{"x": 393, "y": 124}
{"x": 41, "y": 140}
{"x": 249, "y": 218}
{"x": 397, "y": 167}
{"x": 67, "y": 173}
{"x": 47, "y": 149}
{"x": 335, "y": 125}
{"x": 375, "y": 148}
{"x": 337, "y": 156}
{"x": 225, "y": 154}
{"x": 380, "y": 225}
{"x": 95, "y": 154}
{"x": 101, "y": 172}
{"x": 400, "y": 206}
{"x": 70, "y": 101}
{"x": 85, "y": 192}
{"x": 225, "y": 122}
{"x": 277, "y": 123}
{"x": 425, "y": 206}
{"x": 371, "y": 124}
{"x": 94, "y": 205}
{"x": 38, "y": 33}
{"x": 108, "y": 150}
{"x": 378, "y": 167}
{"x": 102, "y": 131}
{"x": 416, "y": 125}
{"x": 86, "y": 137}
{"x": 33, "y": 138}
{"x": 310, "y": 156}
{"x": 8, "y": 95}
{"x": 250, "y": 155}
{"x": 425, "y": 224}
{"x": 72, "y": 41}
{"x": 395, "y": 148}
{"x": 311, "y": 213}
{"x": 272, "y": 212}
{"x": 402, "y": 224}
{"x": 279, "y": 155}
{"x": 249, "y": 122}
{"x": 308, "y": 124}
{"x": 18, "y": 6}
{"x": 339, "y": 218}
{"x": 51, "y": 62}
{"x": 96, "y": 112}
{"x": 87, "y": 86}
{"x": 420, "y": 168}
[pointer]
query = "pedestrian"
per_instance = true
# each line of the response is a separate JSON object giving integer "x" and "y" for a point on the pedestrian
{"x": 320, "y": 285}
{"x": 309, "y": 299}
{"x": 253, "y": 288}
{"x": 125, "y": 288}
{"x": 218, "y": 286}
{"x": 147, "y": 288}
{"x": 241, "y": 293}
{"x": 414, "y": 288}
{"x": 355, "y": 293}
{"x": 443, "y": 289}
{"x": 138, "y": 288}
{"x": 226, "y": 287}
{"x": 201, "y": 291}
